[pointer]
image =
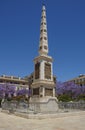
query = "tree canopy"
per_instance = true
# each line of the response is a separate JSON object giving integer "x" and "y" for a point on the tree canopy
{"x": 69, "y": 91}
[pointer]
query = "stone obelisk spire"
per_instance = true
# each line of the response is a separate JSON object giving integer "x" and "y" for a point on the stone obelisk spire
{"x": 43, "y": 87}
{"x": 43, "y": 43}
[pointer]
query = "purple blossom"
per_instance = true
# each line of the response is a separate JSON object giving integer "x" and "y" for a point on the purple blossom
{"x": 6, "y": 90}
{"x": 70, "y": 88}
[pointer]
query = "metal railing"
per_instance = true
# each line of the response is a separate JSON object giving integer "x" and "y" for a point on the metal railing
{"x": 23, "y": 107}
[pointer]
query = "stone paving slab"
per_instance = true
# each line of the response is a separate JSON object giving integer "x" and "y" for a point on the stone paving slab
{"x": 12, "y": 122}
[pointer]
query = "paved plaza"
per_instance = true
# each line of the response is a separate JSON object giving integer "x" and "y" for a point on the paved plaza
{"x": 12, "y": 122}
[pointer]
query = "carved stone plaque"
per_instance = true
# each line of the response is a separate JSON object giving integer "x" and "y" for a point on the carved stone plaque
{"x": 36, "y": 91}
{"x": 47, "y": 70}
{"x": 37, "y": 70}
{"x": 48, "y": 92}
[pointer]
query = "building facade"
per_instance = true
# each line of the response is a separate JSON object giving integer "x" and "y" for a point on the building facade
{"x": 17, "y": 81}
{"x": 80, "y": 80}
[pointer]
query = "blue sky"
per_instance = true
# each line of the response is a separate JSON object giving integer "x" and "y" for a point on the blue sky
{"x": 20, "y": 30}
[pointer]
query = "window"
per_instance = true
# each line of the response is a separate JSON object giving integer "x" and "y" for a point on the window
{"x": 41, "y": 30}
{"x": 41, "y": 38}
{"x": 43, "y": 17}
{"x": 45, "y": 47}
{"x": 80, "y": 80}
{"x": 35, "y": 91}
{"x": 44, "y": 23}
{"x": 45, "y": 30}
{"x": 40, "y": 47}
{"x": 45, "y": 38}
{"x": 37, "y": 69}
{"x": 77, "y": 81}
{"x": 47, "y": 71}
{"x": 1, "y": 81}
{"x": 41, "y": 23}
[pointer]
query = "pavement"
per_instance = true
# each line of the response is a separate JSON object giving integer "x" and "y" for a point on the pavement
{"x": 71, "y": 122}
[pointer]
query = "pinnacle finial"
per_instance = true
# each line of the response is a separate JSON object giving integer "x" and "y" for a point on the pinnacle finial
{"x": 43, "y": 42}
{"x": 43, "y": 6}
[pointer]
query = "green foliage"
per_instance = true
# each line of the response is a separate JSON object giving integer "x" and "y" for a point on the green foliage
{"x": 64, "y": 98}
{"x": 67, "y": 97}
{"x": 69, "y": 91}
{"x": 81, "y": 97}
{"x": 0, "y": 101}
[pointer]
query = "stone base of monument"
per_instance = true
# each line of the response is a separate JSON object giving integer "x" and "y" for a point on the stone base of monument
{"x": 43, "y": 105}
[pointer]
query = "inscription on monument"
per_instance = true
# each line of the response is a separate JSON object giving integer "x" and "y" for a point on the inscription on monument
{"x": 36, "y": 91}
{"x": 47, "y": 71}
{"x": 37, "y": 70}
{"x": 48, "y": 92}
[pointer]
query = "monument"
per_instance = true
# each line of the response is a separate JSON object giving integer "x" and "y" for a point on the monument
{"x": 43, "y": 87}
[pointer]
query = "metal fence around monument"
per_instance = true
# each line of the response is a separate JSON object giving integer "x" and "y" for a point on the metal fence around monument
{"x": 80, "y": 105}
{"x": 23, "y": 107}
{"x": 15, "y": 106}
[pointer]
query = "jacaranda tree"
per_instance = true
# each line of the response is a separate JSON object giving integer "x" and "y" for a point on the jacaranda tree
{"x": 69, "y": 91}
{"x": 9, "y": 92}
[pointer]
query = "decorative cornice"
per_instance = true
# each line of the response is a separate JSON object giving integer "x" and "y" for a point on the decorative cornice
{"x": 46, "y": 58}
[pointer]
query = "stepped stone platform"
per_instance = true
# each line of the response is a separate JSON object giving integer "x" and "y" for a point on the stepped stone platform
{"x": 32, "y": 115}
{"x": 63, "y": 121}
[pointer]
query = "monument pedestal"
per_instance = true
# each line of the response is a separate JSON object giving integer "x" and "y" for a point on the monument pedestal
{"x": 43, "y": 104}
